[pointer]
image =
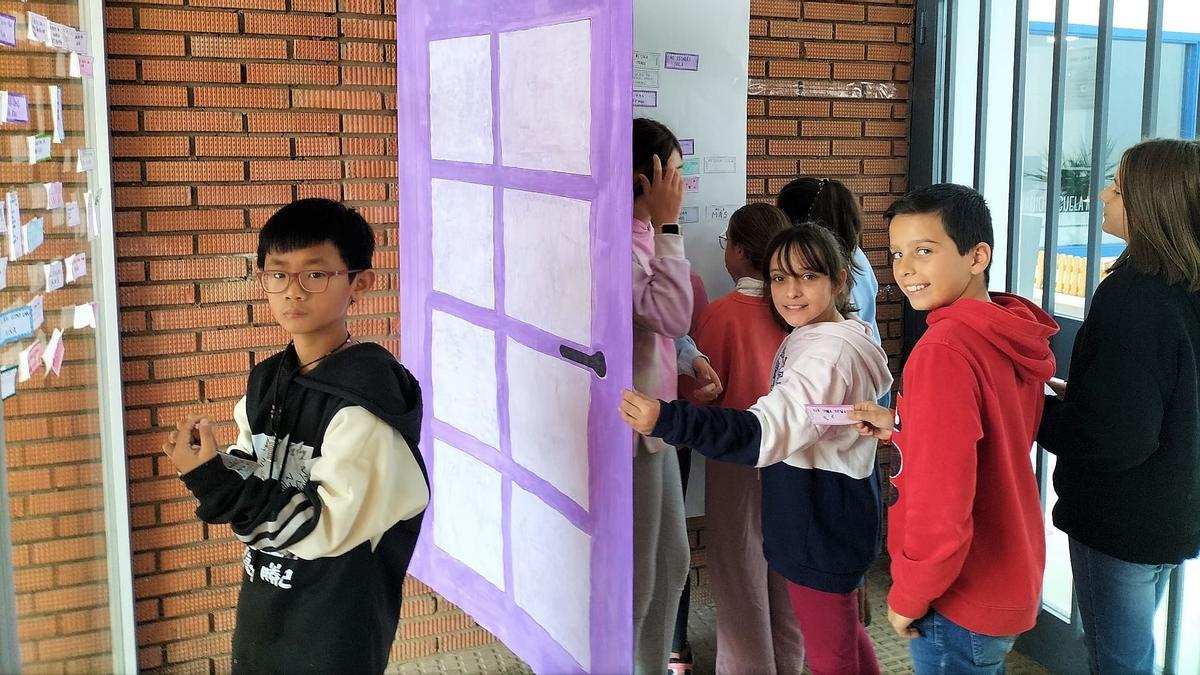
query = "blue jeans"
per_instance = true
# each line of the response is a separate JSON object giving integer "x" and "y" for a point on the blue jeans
{"x": 1117, "y": 601}
{"x": 945, "y": 648}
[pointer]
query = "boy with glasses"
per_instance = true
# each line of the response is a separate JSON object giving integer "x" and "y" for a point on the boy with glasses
{"x": 324, "y": 485}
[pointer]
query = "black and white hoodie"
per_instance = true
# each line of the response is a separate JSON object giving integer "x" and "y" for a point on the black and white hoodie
{"x": 329, "y": 511}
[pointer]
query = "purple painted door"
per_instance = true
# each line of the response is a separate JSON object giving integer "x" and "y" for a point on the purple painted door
{"x": 514, "y": 135}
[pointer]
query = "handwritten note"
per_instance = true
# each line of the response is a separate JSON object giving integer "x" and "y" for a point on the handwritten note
{"x": 17, "y": 110}
{"x": 644, "y": 78}
{"x": 55, "y": 350}
{"x": 16, "y": 236}
{"x": 720, "y": 213}
{"x": 12, "y": 202}
{"x": 37, "y": 28}
{"x": 8, "y": 381}
{"x": 37, "y": 309}
{"x": 87, "y": 160}
{"x": 691, "y": 166}
{"x": 689, "y": 214}
{"x": 647, "y": 60}
{"x": 645, "y": 99}
{"x": 3, "y": 273}
{"x": 720, "y": 165}
{"x": 54, "y": 195}
{"x": 8, "y": 30}
{"x": 56, "y": 111}
{"x": 76, "y": 267}
{"x": 55, "y": 276}
{"x": 81, "y": 66}
{"x": 61, "y": 37}
{"x": 691, "y": 183}
{"x": 829, "y": 415}
{"x": 687, "y": 146}
{"x": 72, "y": 214}
{"x": 675, "y": 61}
{"x": 16, "y": 324}
{"x": 34, "y": 234}
{"x": 81, "y": 46}
{"x": 39, "y": 148}
{"x": 31, "y": 360}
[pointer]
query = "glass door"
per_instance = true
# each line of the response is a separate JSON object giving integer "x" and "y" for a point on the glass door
{"x": 66, "y": 599}
{"x": 1032, "y": 102}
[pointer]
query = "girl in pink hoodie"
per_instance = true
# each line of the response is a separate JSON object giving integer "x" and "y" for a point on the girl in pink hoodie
{"x": 662, "y": 311}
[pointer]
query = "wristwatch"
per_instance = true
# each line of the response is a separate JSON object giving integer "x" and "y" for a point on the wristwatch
{"x": 669, "y": 228}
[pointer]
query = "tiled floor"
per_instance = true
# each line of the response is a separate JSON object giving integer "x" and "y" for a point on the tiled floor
{"x": 891, "y": 649}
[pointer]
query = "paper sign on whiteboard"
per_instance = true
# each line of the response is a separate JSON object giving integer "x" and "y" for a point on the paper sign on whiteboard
{"x": 704, "y": 107}
{"x": 645, "y": 99}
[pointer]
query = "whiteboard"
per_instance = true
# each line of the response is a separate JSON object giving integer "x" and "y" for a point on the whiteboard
{"x": 690, "y": 64}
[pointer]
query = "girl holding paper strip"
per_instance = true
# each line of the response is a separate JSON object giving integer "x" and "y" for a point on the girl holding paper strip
{"x": 820, "y": 496}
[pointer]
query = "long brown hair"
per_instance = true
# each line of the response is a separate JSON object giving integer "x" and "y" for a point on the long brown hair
{"x": 818, "y": 250}
{"x": 827, "y": 202}
{"x": 752, "y": 227}
{"x": 1159, "y": 181}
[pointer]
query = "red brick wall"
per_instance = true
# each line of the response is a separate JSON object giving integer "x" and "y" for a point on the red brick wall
{"x": 222, "y": 110}
{"x": 848, "y": 47}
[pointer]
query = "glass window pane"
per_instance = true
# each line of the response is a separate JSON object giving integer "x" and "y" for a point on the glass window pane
{"x": 52, "y": 427}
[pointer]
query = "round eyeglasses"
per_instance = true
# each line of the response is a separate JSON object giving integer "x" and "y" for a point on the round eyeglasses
{"x": 312, "y": 281}
{"x": 723, "y": 240}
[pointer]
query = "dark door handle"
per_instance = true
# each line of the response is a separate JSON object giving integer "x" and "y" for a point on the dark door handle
{"x": 595, "y": 361}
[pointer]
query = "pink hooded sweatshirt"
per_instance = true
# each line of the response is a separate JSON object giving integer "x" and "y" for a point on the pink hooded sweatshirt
{"x": 662, "y": 311}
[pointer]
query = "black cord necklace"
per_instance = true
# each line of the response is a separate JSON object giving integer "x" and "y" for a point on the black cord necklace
{"x": 277, "y": 398}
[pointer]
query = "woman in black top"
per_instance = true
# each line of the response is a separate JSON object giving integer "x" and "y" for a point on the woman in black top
{"x": 1127, "y": 430}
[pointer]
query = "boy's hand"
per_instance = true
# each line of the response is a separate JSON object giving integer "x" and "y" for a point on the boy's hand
{"x": 873, "y": 420}
{"x": 663, "y": 193}
{"x": 902, "y": 625}
{"x": 1059, "y": 387}
{"x": 710, "y": 383}
{"x": 639, "y": 411}
{"x": 191, "y": 444}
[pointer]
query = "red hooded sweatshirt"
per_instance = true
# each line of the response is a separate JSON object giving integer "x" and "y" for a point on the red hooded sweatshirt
{"x": 965, "y": 533}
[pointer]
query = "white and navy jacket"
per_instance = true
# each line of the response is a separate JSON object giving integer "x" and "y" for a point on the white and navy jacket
{"x": 330, "y": 517}
{"x": 821, "y": 509}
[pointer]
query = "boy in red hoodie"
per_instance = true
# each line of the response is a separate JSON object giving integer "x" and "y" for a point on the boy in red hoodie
{"x": 965, "y": 528}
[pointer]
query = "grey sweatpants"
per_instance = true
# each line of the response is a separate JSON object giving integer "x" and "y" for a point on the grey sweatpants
{"x": 661, "y": 556}
{"x": 757, "y": 631}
